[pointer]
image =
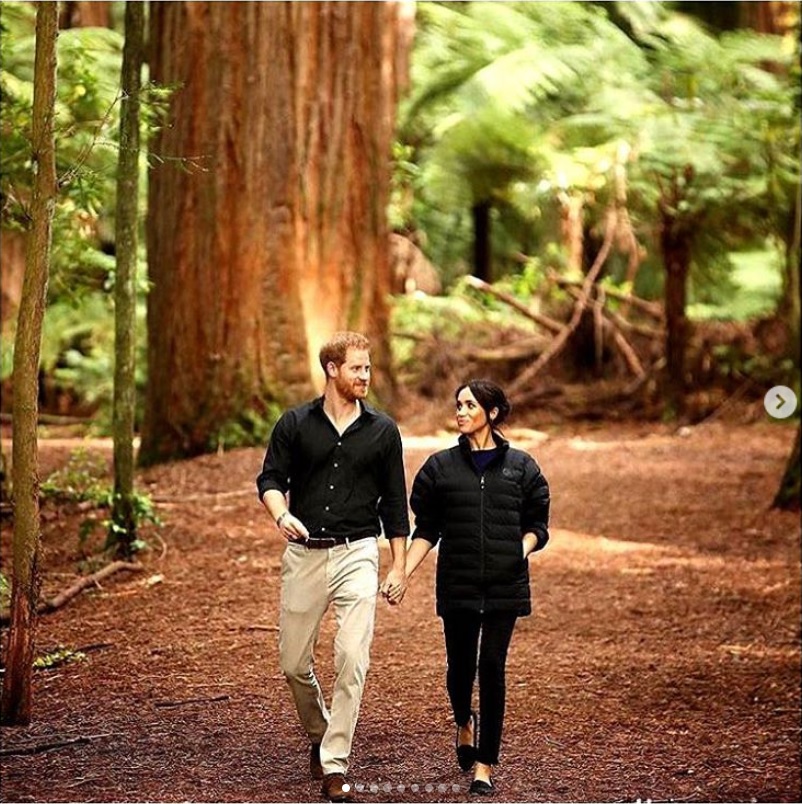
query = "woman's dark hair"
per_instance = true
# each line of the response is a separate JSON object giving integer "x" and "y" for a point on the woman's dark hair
{"x": 489, "y": 396}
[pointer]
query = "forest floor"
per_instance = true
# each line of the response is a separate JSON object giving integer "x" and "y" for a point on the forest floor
{"x": 662, "y": 661}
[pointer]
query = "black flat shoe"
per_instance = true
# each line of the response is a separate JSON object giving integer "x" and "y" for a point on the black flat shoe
{"x": 480, "y": 788}
{"x": 466, "y": 754}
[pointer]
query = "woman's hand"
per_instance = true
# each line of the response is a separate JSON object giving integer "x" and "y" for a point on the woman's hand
{"x": 529, "y": 543}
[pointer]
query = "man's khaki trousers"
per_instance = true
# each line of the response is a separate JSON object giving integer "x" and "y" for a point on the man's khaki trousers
{"x": 346, "y": 577}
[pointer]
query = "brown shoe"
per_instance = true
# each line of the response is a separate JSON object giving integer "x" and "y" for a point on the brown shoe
{"x": 315, "y": 768}
{"x": 337, "y": 788}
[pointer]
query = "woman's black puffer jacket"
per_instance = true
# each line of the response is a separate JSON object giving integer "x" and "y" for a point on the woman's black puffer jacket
{"x": 479, "y": 521}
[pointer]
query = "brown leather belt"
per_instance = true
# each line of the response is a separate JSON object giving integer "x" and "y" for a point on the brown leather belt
{"x": 325, "y": 542}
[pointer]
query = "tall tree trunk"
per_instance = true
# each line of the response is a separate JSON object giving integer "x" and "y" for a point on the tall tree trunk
{"x": 123, "y": 530}
{"x": 16, "y": 706}
{"x": 675, "y": 249}
{"x": 788, "y": 494}
{"x": 764, "y": 16}
{"x": 790, "y": 308}
{"x": 719, "y": 16}
{"x": 274, "y": 234}
{"x": 83, "y": 14}
{"x": 769, "y": 16}
{"x": 482, "y": 243}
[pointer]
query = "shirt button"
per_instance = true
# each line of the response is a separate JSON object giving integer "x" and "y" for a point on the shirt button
{"x": 323, "y": 529}
{"x": 339, "y": 443}
{"x": 336, "y": 465}
{"x": 327, "y": 507}
{"x": 331, "y": 487}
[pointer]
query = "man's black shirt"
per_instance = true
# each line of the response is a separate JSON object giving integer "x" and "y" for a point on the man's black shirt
{"x": 338, "y": 485}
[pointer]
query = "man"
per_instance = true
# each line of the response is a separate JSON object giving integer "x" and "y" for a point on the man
{"x": 340, "y": 461}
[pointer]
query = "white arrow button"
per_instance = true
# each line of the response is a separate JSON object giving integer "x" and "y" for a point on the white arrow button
{"x": 780, "y": 402}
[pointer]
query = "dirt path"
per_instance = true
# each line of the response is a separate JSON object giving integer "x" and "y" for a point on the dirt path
{"x": 662, "y": 661}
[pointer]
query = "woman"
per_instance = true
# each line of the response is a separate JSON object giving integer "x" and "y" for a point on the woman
{"x": 487, "y": 505}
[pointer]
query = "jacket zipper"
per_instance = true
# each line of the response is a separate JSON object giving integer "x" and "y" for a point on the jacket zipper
{"x": 482, "y": 539}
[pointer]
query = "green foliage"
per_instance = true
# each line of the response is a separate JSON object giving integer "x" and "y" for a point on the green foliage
{"x": 78, "y": 333}
{"x": 445, "y": 316}
{"x": 405, "y": 182}
{"x": 713, "y": 137}
{"x": 490, "y": 84}
{"x": 7, "y": 354}
{"x": 520, "y": 103}
{"x": 58, "y": 657}
{"x": 84, "y": 480}
{"x": 763, "y": 370}
{"x": 5, "y": 592}
{"x": 78, "y": 351}
{"x": 86, "y": 149}
{"x": 755, "y": 282}
{"x": 252, "y": 428}
{"x": 143, "y": 513}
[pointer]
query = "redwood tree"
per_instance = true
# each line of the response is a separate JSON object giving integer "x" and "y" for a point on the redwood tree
{"x": 266, "y": 226}
{"x": 84, "y": 14}
{"x": 16, "y": 705}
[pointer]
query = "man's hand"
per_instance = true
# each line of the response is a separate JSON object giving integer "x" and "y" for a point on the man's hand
{"x": 291, "y": 528}
{"x": 394, "y": 586}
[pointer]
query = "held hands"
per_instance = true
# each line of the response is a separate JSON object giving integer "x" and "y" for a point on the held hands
{"x": 291, "y": 528}
{"x": 394, "y": 586}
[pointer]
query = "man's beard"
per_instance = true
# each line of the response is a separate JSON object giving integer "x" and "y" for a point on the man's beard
{"x": 350, "y": 391}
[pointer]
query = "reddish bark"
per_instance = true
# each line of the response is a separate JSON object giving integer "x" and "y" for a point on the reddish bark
{"x": 82, "y": 14}
{"x": 274, "y": 233}
{"x": 12, "y": 245}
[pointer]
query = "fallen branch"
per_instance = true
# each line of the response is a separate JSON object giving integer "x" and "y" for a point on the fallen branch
{"x": 260, "y": 628}
{"x": 170, "y": 704}
{"x": 40, "y": 748}
{"x": 557, "y": 344}
{"x": 539, "y": 395}
{"x": 68, "y": 594}
{"x": 598, "y": 330}
{"x": 164, "y": 546}
{"x": 523, "y": 349}
{"x": 209, "y": 495}
{"x": 628, "y": 352}
{"x": 734, "y": 397}
{"x": 547, "y": 323}
{"x": 411, "y": 336}
{"x": 64, "y": 597}
{"x": 639, "y": 382}
{"x": 94, "y": 646}
{"x": 654, "y": 309}
{"x": 610, "y": 325}
{"x": 629, "y": 326}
